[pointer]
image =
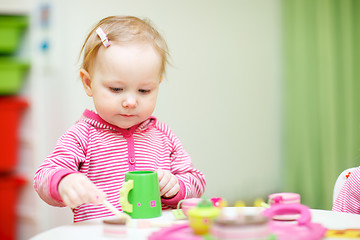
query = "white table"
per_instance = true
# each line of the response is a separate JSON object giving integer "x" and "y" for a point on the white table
{"x": 93, "y": 229}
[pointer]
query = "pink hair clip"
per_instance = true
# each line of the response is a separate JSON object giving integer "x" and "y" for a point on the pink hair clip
{"x": 103, "y": 37}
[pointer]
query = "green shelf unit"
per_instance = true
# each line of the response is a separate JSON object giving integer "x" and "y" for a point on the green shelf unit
{"x": 11, "y": 30}
{"x": 12, "y": 73}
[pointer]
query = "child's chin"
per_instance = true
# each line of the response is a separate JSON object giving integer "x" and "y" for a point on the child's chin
{"x": 125, "y": 125}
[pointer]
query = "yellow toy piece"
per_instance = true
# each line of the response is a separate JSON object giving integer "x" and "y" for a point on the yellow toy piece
{"x": 259, "y": 202}
{"x": 223, "y": 203}
{"x": 345, "y": 233}
{"x": 240, "y": 204}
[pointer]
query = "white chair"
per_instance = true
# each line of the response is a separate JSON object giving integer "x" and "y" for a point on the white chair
{"x": 340, "y": 182}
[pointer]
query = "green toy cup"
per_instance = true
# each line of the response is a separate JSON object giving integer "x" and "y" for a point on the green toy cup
{"x": 140, "y": 195}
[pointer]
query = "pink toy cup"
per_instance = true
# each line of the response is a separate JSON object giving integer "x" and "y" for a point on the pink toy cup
{"x": 284, "y": 197}
{"x": 187, "y": 204}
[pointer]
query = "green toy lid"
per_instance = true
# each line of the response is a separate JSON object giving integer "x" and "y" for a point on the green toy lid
{"x": 204, "y": 209}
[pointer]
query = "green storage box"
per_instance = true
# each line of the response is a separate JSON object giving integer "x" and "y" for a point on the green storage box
{"x": 11, "y": 29}
{"x": 12, "y": 72}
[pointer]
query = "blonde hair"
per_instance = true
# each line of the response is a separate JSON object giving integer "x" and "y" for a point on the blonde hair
{"x": 123, "y": 30}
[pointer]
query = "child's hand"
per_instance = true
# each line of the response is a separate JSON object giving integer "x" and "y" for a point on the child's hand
{"x": 76, "y": 189}
{"x": 168, "y": 183}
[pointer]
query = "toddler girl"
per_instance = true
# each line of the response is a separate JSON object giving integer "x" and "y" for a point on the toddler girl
{"x": 124, "y": 61}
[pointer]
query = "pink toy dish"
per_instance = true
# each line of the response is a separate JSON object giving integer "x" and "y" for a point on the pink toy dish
{"x": 188, "y": 204}
{"x": 302, "y": 229}
{"x": 175, "y": 232}
{"x": 114, "y": 228}
{"x": 241, "y": 227}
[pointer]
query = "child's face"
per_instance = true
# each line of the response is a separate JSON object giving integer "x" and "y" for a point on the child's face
{"x": 124, "y": 83}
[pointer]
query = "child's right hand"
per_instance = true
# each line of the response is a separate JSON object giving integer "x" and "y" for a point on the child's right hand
{"x": 76, "y": 189}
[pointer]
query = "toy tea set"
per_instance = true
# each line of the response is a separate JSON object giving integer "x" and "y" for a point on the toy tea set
{"x": 283, "y": 218}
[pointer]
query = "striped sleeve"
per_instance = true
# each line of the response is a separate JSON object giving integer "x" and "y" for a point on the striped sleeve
{"x": 349, "y": 197}
{"x": 182, "y": 166}
{"x": 69, "y": 152}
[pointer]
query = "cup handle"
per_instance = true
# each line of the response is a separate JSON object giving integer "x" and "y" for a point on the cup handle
{"x": 124, "y": 193}
{"x": 179, "y": 204}
{"x": 291, "y": 208}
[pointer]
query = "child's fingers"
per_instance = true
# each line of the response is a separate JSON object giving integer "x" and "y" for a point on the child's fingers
{"x": 76, "y": 189}
{"x": 67, "y": 201}
{"x": 163, "y": 181}
{"x": 173, "y": 191}
{"x": 71, "y": 198}
{"x": 91, "y": 194}
{"x": 166, "y": 185}
{"x": 160, "y": 174}
{"x": 170, "y": 184}
{"x": 99, "y": 198}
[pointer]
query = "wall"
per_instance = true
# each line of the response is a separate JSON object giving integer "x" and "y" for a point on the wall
{"x": 221, "y": 97}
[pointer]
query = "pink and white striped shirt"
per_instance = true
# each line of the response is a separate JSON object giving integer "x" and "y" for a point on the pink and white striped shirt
{"x": 348, "y": 199}
{"x": 104, "y": 153}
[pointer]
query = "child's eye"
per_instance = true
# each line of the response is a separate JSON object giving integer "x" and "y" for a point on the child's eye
{"x": 144, "y": 91}
{"x": 116, "y": 89}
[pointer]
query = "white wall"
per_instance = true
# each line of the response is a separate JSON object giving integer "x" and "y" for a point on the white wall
{"x": 222, "y": 95}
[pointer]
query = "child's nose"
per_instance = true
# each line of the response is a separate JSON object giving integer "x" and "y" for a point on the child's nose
{"x": 129, "y": 101}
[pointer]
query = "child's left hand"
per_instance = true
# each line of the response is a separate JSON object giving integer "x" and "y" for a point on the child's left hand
{"x": 168, "y": 183}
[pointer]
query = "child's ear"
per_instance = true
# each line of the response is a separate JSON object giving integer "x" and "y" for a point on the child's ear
{"x": 86, "y": 81}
